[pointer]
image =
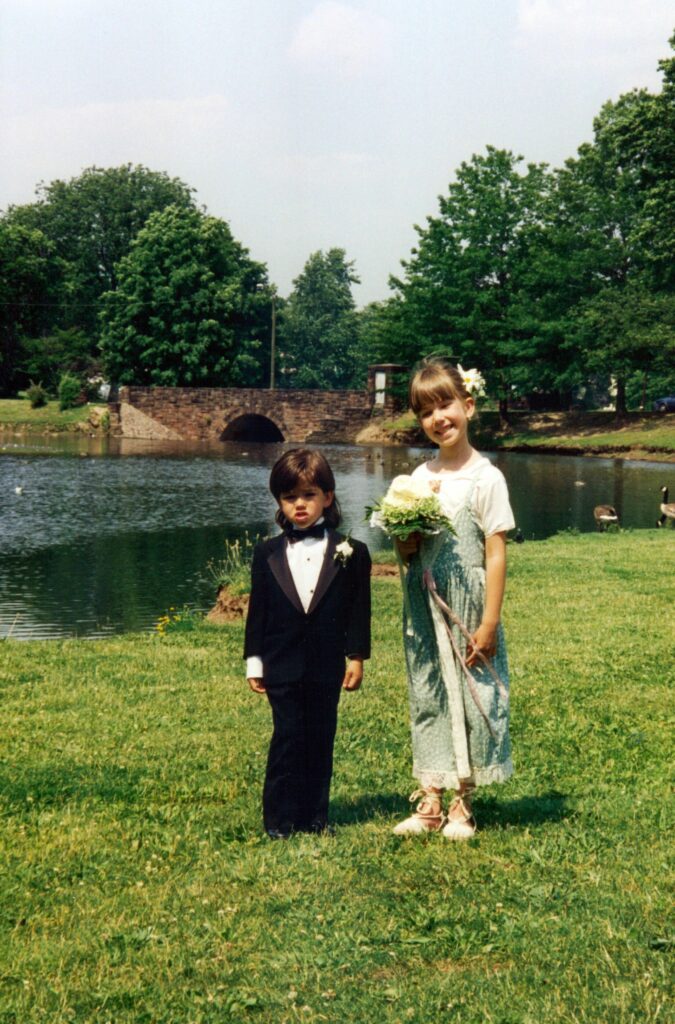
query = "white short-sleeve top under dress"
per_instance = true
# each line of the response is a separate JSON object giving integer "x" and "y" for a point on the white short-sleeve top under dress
{"x": 476, "y": 501}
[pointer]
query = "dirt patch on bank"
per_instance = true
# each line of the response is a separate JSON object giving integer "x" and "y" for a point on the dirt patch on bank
{"x": 233, "y": 607}
{"x": 228, "y": 607}
{"x": 380, "y": 569}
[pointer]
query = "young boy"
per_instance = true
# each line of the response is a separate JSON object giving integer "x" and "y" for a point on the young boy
{"x": 309, "y": 611}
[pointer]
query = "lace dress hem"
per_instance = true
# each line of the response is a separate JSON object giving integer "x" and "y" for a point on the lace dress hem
{"x": 450, "y": 780}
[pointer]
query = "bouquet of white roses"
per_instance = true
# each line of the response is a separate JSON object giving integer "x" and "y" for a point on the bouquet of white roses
{"x": 409, "y": 506}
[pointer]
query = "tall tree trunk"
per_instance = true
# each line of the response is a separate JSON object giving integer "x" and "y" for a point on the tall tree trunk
{"x": 620, "y": 397}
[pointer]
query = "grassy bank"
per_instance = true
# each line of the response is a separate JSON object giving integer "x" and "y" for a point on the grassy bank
{"x": 651, "y": 435}
{"x": 137, "y": 886}
{"x": 637, "y": 436}
{"x": 17, "y": 415}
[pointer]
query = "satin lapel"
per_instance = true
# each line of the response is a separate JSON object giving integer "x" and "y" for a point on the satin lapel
{"x": 329, "y": 571}
{"x": 280, "y": 569}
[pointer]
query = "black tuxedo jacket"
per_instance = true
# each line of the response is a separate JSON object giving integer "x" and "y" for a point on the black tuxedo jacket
{"x": 293, "y": 643}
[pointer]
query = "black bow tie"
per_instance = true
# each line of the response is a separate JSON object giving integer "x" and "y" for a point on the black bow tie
{"x": 317, "y": 531}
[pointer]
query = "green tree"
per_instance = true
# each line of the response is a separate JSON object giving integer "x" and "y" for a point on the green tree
{"x": 627, "y": 337}
{"x": 642, "y": 130}
{"x": 47, "y": 358}
{"x": 190, "y": 307}
{"x": 597, "y": 269}
{"x": 319, "y": 334}
{"x": 91, "y": 222}
{"x": 28, "y": 280}
{"x": 462, "y": 288}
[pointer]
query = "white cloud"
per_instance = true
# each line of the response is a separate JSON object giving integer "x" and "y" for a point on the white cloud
{"x": 342, "y": 38}
{"x": 606, "y": 35}
{"x": 159, "y": 133}
{"x": 327, "y": 170}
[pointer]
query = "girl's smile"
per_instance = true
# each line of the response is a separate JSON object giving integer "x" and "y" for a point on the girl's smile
{"x": 446, "y": 424}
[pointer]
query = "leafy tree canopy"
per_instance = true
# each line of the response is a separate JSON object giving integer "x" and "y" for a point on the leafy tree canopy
{"x": 461, "y": 289}
{"x": 190, "y": 307}
{"x": 28, "y": 282}
{"x": 319, "y": 346}
{"x": 91, "y": 222}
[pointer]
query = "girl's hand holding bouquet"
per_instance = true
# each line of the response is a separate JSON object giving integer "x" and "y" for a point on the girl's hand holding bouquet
{"x": 409, "y": 511}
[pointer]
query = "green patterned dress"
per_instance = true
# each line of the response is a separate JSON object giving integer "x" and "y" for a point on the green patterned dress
{"x": 452, "y": 741}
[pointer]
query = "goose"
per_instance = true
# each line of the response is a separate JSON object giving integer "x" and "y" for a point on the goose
{"x": 605, "y": 515}
{"x": 667, "y": 508}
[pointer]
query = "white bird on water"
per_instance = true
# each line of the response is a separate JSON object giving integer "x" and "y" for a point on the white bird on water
{"x": 18, "y": 490}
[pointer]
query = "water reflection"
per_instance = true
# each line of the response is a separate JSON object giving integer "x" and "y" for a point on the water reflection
{"x": 107, "y": 534}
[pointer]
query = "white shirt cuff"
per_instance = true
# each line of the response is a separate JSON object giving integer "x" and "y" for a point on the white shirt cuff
{"x": 254, "y": 667}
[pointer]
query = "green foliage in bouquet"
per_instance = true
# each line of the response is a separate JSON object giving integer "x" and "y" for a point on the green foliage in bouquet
{"x": 424, "y": 515}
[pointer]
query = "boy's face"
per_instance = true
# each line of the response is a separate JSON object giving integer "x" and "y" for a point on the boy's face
{"x": 304, "y": 504}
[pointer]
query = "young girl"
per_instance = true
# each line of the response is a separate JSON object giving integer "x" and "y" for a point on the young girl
{"x": 309, "y": 610}
{"x": 460, "y": 726}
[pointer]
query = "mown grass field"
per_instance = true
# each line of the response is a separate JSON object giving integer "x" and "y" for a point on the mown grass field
{"x": 16, "y": 413}
{"x": 137, "y": 886}
{"x": 650, "y": 434}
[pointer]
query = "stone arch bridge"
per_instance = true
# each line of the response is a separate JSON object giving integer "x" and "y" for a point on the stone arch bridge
{"x": 250, "y": 414}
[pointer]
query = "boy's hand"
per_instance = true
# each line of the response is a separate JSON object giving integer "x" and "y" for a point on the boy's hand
{"x": 257, "y": 685}
{"x": 353, "y": 675}
{"x": 408, "y": 547}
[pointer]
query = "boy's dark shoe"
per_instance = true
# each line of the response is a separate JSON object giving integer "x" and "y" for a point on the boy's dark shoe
{"x": 277, "y": 833}
{"x": 321, "y": 828}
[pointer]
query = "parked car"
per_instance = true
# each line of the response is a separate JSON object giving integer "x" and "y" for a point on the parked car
{"x": 666, "y": 404}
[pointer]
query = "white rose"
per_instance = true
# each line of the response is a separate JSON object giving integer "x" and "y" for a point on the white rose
{"x": 404, "y": 490}
{"x": 344, "y": 549}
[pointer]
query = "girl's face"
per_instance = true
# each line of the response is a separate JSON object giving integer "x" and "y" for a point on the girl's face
{"x": 446, "y": 422}
{"x": 304, "y": 504}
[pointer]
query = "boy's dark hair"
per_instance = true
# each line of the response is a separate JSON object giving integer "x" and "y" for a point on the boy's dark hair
{"x": 306, "y": 466}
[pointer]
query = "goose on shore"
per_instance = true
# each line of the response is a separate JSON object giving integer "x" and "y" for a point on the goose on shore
{"x": 605, "y": 515}
{"x": 667, "y": 508}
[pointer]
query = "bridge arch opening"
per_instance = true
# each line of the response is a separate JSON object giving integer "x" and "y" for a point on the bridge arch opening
{"x": 251, "y": 427}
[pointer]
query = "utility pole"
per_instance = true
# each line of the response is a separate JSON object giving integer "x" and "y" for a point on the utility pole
{"x": 273, "y": 339}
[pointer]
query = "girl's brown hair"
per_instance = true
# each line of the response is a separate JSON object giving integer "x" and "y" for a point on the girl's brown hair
{"x": 304, "y": 466}
{"x": 435, "y": 380}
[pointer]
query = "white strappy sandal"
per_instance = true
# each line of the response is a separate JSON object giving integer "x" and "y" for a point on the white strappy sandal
{"x": 460, "y": 827}
{"x": 426, "y": 818}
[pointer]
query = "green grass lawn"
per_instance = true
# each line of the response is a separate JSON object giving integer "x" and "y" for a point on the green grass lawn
{"x": 652, "y": 434}
{"x": 17, "y": 413}
{"x": 137, "y": 886}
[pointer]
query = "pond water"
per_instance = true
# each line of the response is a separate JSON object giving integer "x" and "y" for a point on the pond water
{"x": 106, "y": 535}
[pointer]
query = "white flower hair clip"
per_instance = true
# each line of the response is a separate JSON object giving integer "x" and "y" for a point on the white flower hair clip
{"x": 473, "y": 381}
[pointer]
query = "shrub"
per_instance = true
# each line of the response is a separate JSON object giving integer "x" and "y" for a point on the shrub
{"x": 36, "y": 395}
{"x": 70, "y": 391}
{"x": 234, "y": 570}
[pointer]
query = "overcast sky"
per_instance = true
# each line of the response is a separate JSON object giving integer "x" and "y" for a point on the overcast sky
{"x": 312, "y": 123}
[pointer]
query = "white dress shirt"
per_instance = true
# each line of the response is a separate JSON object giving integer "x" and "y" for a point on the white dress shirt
{"x": 305, "y": 558}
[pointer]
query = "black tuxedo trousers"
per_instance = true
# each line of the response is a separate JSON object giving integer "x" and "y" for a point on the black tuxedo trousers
{"x": 300, "y": 759}
{"x": 303, "y": 655}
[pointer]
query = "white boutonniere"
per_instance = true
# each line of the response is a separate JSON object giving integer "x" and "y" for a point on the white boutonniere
{"x": 343, "y": 552}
